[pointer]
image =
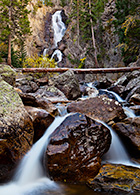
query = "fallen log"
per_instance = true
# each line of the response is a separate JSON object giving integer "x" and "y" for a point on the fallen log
{"x": 79, "y": 71}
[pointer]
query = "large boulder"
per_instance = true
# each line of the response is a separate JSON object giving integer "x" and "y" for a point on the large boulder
{"x": 75, "y": 149}
{"x": 41, "y": 120}
{"x": 68, "y": 84}
{"x": 118, "y": 179}
{"x": 16, "y": 129}
{"x": 8, "y": 74}
{"x": 129, "y": 131}
{"x": 26, "y": 84}
{"x": 100, "y": 107}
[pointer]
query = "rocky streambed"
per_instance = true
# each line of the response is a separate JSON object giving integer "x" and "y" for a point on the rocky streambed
{"x": 77, "y": 146}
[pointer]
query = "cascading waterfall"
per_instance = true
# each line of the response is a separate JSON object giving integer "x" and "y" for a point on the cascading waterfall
{"x": 59, "y": 31}
{"x": 58, "y": 27}
{"x": 30, "y": 174}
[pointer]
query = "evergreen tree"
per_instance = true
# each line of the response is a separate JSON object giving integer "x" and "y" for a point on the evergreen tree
{"x": 14, "y": 23}
{"x": 86, "y": 13}
{"x": 127, "y": 25}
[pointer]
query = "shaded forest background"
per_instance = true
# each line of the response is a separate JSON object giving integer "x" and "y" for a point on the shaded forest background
{"x": 86, "y": 20}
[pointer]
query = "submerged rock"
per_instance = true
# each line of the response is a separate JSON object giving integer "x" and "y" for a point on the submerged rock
{"x": 116, "y": 178}
{"x": 75, "y": 149}
{"x": 100, "y": 107}
{"x": 16, "y": 129}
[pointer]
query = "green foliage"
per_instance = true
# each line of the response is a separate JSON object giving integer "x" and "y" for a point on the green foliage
{"x": 14, "y": 22}
{"x": 79, "y": 63}
{"x": 39, "y": 62}
{"x": 63, "y": 3}
{"x": 97, "y": 7}
{"x": 18, "y": 57}
{"x": 48, "y": 2}
{"x": 3, "y": 50}
{"x": 127, "y": 26}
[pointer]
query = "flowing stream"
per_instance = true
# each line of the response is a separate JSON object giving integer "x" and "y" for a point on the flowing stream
{"x": 30, "y": 178}
{"x": 30, "y": 175}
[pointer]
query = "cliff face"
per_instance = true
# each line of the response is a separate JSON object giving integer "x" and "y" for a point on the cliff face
{"x": 36, "y": 42}
{"x": 108, "y": 41}
{"x": 109, "y": 55}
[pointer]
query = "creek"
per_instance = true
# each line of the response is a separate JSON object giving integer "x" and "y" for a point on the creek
{"x": 30, "y": 179}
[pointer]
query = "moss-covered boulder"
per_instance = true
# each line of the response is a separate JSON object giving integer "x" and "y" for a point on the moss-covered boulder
{"x": 16, "y": 129}
{"x": 8, "y": 74}
{"x": 117, "y": 178}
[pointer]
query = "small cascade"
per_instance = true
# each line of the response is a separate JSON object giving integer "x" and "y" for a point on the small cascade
{"x": 30, "y": 174}
{"x": 117, "y": 153}
{"x": 61, "y": 109}
{"x": 117, "y": 97}
{"x": 58, "y": 53}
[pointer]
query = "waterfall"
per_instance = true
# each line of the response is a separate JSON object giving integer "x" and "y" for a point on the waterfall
{"x": 58, "y": 53}
{"x": 117, "y": 153}
{"x": 59, "y": 29}
{"x": 30, "y": 174}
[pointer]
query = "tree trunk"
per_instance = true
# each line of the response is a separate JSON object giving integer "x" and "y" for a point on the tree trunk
{"x": 78, "y": 32}
{"x": 9, "y": 40}
{"x": 93, "y": 37}
{"x": 9, "y": 51}
{"x": 79, "y": 71}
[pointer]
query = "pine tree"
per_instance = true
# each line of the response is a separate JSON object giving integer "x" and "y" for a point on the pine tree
{"x": 127, "y": 25}
{"x": 86, "y": 13}
{"x": 14, "y": 23}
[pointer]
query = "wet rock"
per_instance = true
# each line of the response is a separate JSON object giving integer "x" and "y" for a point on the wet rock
{"x": 30, "y": 99}
{"x": 42, "y": 81}
{"x": 8, "y": 74}
{"x": 123, "y": 80}
{"x": 129, "y": 131}
{"x": 103, "y": 83}
{"x": 135, "y": 90}
{"x": 68, "y": 84}
{"x": 135, "y": 99}
{"x": 83, "y": 90}
{"x": 51, "y": 93}
{"x": 75, "y": 149}
{"x": 118, "y": 179}
{"x": 117, "y": 89}
{"x": 100, "y": 107}
{"x": 27, "y": 84}
{"x": 41, "y": 121}
{"x": 16, "y": 129}
{"x": 133, "y": 75}
{"x": 92, "y": 92}
{"x": 131, "y": 84}
{"x": 136, "y": 109}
